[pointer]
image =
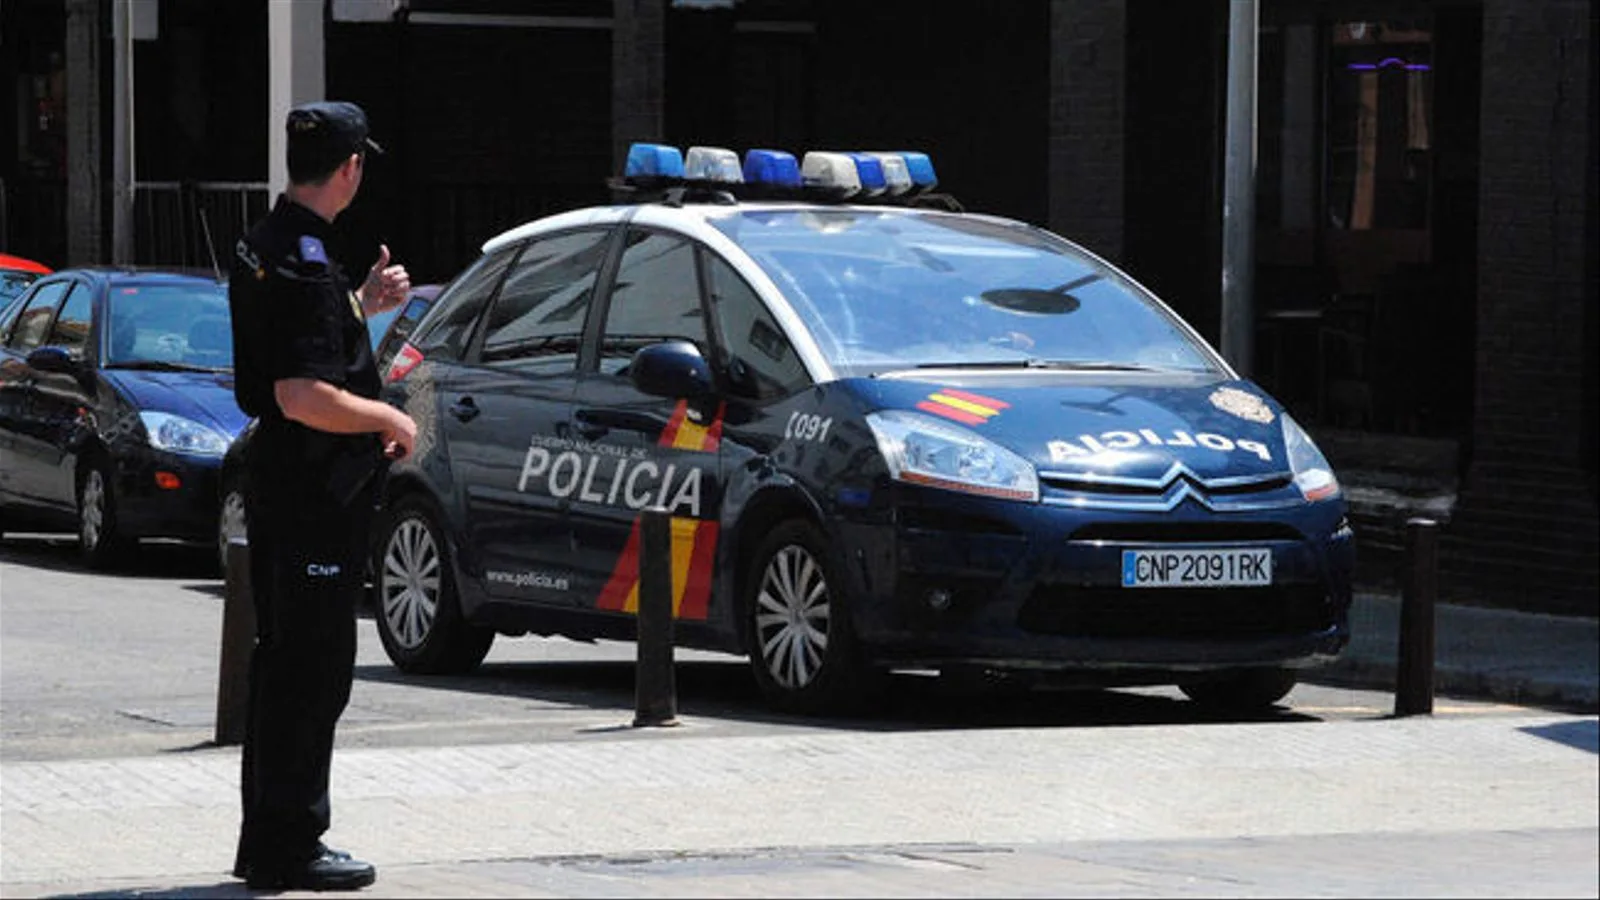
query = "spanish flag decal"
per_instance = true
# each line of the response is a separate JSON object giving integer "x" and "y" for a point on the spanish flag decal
{"x": 694, "y": 541}
{"x": 968, "y": 409}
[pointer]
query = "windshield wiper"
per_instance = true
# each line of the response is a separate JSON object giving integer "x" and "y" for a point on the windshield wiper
{"x": 1035, "y": 363}
{"x": 160, "y": 365}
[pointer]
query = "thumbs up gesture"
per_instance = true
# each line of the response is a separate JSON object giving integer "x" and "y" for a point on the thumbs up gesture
{"x": 386, "y": 285}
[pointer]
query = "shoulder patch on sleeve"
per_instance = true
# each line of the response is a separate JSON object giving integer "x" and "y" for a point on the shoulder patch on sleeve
{"x": 312, "y": 251}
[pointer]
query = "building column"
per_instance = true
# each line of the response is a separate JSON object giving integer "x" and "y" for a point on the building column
{"x": 295, "y": 50}
{"x": 638, "y": 45}
{"x": 1526, "y": 529}
{"x": 1087, "y": 85}
{"x": 85, "y": 231}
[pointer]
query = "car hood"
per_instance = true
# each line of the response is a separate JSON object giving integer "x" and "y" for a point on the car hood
{"x": 1125, "y": 424}
{"x": 205, "y": 397}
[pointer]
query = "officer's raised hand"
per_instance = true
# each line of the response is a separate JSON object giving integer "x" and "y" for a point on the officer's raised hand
{"x": 386, "y": 285}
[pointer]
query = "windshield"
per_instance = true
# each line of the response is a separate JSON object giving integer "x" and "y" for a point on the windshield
{"x": 886, "y": 290}
{"x": 169, "y": 326}
{"x": 13, "y": 283}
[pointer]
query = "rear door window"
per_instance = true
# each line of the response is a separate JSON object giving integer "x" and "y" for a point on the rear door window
{"x": 538, "y": 317}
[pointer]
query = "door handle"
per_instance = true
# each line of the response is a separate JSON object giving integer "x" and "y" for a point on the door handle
{"x": 464, "y": 409}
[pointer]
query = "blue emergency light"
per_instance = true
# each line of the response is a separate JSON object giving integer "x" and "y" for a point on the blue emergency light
{"x": 653, "y": 161}
{"x": 869, "y": 171}
{"x": 766, "y": 173}
{"x": 773, "y": 168}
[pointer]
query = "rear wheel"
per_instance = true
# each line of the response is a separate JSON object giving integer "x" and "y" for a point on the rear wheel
{"x": 418, "y": 611}
{"x": 801, "y": 647}
{"x": 99, "y": 540}
{"x": 1242, "y": 690}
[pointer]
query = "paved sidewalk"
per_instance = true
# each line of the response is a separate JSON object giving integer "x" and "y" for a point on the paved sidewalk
{"x": 1505, "y": 655}
{"x": 524, "y": 819}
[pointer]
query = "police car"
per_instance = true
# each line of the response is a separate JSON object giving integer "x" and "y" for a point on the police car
{"x": 889, "y": 435}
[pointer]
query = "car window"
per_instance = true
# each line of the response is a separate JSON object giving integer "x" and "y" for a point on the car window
{"x": 72, "y": 324}
{"x": 185, "y": 324}
{"x": 883, "y": 290}
{"x": 539, "y": 314}
{"x": 34, "y": 322}
{"x": 759, "y": 360}
{"x": 13, "y": 283}
{"x": 444, "y": 332}
{"x": 656, "y": 297}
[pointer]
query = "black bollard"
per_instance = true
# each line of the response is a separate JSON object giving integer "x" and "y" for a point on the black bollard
{"x": 1413, "y": 690}
{"x": 238, "y": 641}
{"x": 655, "y": 694}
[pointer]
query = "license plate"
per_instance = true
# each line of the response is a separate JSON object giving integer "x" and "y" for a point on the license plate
{"x": 1196, "y": 568}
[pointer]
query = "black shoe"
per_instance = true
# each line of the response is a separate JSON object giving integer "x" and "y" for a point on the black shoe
{"x": 330, "y": 870}
{"x": 241, "y": 868}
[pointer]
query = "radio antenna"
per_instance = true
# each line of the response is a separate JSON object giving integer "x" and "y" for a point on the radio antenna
{"x": 211, "y": 248}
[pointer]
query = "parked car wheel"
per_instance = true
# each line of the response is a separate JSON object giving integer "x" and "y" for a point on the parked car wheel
{"x": 418, "y": 612}
{"x": 1244, "y": 690}
{"x": 98, "y": 539}
{"x": 231, "y": 525}
{"x": 801, "y": 647}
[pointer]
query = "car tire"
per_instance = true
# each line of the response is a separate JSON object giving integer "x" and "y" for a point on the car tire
{"x": 1241, "y": 690}
{"x": 231, "y": 522}
{"x": 798, "y": 631}
{"x": 99, "y": 540}
{"x": 414, "y": 596}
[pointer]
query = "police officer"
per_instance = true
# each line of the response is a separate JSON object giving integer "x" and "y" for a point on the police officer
{"x": 303, "y": 367}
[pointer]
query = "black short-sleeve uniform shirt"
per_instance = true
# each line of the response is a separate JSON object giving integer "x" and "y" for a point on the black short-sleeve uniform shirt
{"x": 295, "y": 316}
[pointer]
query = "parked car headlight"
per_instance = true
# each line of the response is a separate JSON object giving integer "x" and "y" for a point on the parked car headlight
{"x": 923, "y": 450}
{"x": 180, "y": 435}
{"x": 1312, "y": 473}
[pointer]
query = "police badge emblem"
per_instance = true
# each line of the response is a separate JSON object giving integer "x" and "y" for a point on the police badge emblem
{"x": 1243, "y": 404}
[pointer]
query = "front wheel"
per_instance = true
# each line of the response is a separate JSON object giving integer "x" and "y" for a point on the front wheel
{"x": 232, "y": 526}
{"x": 418, "y": 611}
{"x": 99, "y": 540}
{"x": 1243, "y": 690}
{"x": 800, "y": 642}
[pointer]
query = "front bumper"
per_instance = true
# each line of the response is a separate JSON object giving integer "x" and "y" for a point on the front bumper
{"x": 187, "y": 512}
{"x": 948, "y": 579}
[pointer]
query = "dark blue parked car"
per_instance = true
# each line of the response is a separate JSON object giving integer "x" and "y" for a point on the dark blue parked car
{"x": 889, "y": 435}
{"x": 116, "y": 406}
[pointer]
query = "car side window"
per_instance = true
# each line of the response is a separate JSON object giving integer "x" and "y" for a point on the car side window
{"x": 538, "y": 318}
{"x": 656, "y": 297}
{"x": 34, "y": 322}
{"x": 446, "y": 332}
{"x": 759, "y": 360}
{"x": 72, "y": 325}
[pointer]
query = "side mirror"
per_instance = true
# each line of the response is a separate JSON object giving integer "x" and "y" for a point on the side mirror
{"x": 53, "y": 359}
{"x": 671, "y": 369}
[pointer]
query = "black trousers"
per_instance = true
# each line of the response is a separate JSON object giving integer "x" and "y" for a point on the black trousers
{"x": 307, "y": 572}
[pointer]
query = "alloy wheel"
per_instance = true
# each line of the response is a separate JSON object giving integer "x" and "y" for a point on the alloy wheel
{"x": 92, "y": 510}
{"x": 231, "y": 525}
{"x": 792, "y": 618}
{"x": 409, "y": 584}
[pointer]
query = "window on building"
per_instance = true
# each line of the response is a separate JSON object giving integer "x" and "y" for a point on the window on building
{"x": 1380, "y": 100}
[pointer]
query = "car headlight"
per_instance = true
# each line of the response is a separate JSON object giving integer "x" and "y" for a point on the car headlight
{"x": 922, "y": 450}
{"x": 180, "y": 435}
{"x": 1312, "y": 473}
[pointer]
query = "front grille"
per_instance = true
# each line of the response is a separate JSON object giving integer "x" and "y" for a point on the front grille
{"x": 1175, "y": 613}
{"x": 1204, "y": 531}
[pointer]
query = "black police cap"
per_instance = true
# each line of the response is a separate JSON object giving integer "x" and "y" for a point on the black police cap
{"x": 324, "y": 133}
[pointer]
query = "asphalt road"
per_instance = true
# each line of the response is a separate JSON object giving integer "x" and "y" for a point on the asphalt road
{"x": 108, "y": 665}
